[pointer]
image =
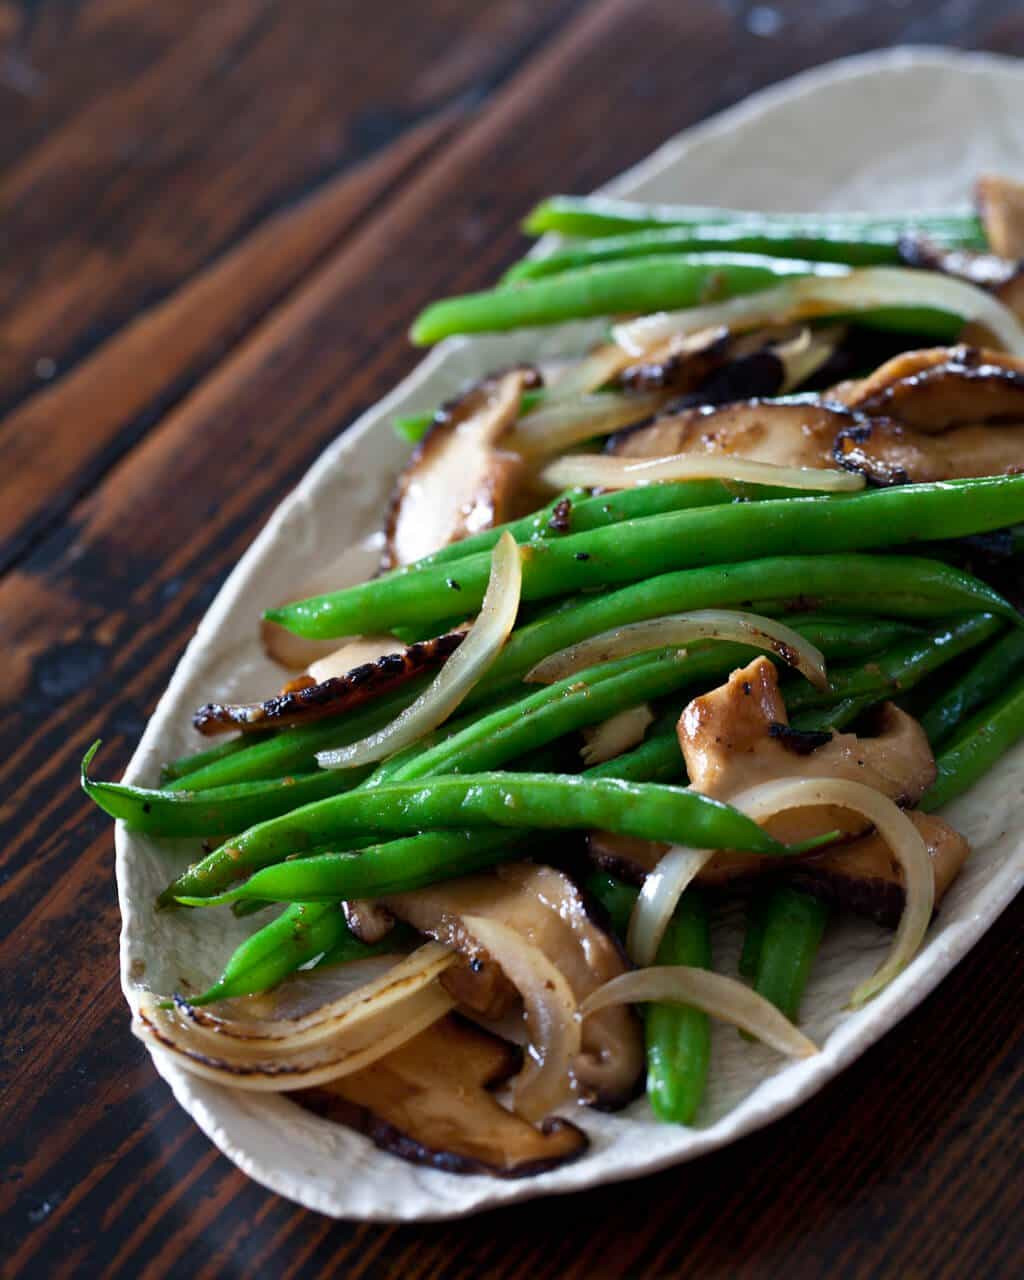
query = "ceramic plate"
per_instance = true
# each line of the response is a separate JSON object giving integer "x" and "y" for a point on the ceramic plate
{"x": 904, "y": 129}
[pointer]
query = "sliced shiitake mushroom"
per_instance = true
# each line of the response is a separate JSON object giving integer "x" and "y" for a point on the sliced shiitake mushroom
{"x": 459, "y": 481}
{"x": 738, "y": 735}
{"x": 1000, "y": 203}
{"x": 430, "y": 1102}
{"x": 545, "y": 907}
{"x": 793, "y": 433}
{"x": 887, "y": 453}
{"x": 719, "y": 366}
{"x": 1002, "y": 277}
{"x": 941, "y": 387}
{"x": 860, "y": 875}
{"x": 303, "y": 701}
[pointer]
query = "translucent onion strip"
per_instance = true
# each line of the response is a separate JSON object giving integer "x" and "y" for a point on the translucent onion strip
{"x": 905, "y": 841}
{"x": 682, "y": 629}
{"x": 566, "y": 423}
{"x": 600, "y": 471}
{"x": 593, "y": 371}
{"x": 616, "y": 735}
{"x": 712, "y": 993}
{"x": 458, "y": 676}
{"x": 553, "y": 1029}
{"x": 345, "y": 1035}
{"x": 659, "y": 897}
{"x": 839, "y": 293}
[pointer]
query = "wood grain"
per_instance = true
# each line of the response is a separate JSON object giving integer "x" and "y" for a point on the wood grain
{"x": 188, "y": 233}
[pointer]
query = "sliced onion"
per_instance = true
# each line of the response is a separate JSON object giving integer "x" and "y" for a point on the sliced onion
{"x": 905, "y": 841}
{"x": 356, "y": 651}
{"x": 836, "y": 293}
{"x": 712, "y": 993}
{"x": 553, "y": 1029}
{"x": 590, "y": 373}
{"x": 568, "y": 422}
{"x": 343, "y": 1035}
{"x": 681, "y": 629}
{"x": 806, "y": 354}
{"x": 484, "y": 641}
{"x": 619, "y": 733}
{"x": 663, "y": 887}
{"x": 599, "y": 470}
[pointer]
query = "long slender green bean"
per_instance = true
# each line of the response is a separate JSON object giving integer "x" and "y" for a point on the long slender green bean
{"x": 293, "y": 751}
{"x": 830, "y": 244}
{"x": 659, "y": 283}
{"x": 753, "y": 935}
{"x": 651, "y": 811}
{"x": 643, "y": 548}
{"x": 792, "y": 927}
{"x": 899, "y": 669}
{"x": 836, "y": 716}
{"x": 985, "y": 680}
{"x": 605, "y": 215}
{"x": 679, "y": 1036}
{"x": 305, "y": 930}
{"x": 986, "y": 737}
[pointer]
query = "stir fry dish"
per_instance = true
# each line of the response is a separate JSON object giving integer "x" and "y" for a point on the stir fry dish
{"x": 725, "y": 606}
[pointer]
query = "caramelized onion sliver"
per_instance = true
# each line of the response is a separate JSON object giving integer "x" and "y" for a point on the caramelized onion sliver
{"x": 346, "y": 1034}
{"x": 682, "y": 629}
{"x": 599, "y": 471}
{"x": 909, "y": 849}
{"x": 565, "y": 423}
{"x": 553, "y": 1029}
{"x": 617, "y": 734}
{"x": 483, "y": 643}
{"x": 663, "y": 887}
{"x": 712, "y": 993}
{"x": 843, "y": 291}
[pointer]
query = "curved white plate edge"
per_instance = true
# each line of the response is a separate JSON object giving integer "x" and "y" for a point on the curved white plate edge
{"x": 848, "y": 1040}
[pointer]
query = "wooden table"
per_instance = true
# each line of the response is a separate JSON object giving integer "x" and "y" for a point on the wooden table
{"x": 217, "y": 221}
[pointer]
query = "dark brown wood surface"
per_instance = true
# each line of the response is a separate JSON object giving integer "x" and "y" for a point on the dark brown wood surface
{"x": 216, "y": 221}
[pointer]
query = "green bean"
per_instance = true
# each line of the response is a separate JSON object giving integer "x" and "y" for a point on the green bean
{"x": 605, "y": 215}
{"x": 293, "y": 751}
{"x": 299, "y": 934}
{"x": 658, "y": 759}
{"x": 659, "y": 283}
{"x": 679, "y": 1036}
{"x": 900, "y": 585}
{"x": 837, "y": 716}
{"x": 753, "y": 935}
{"x": 303, "y": 930}
{"x": 583, "y": 513}
{"x": 651, "y": 811}
{"x": 643, "y": 548}
{"x": 896, "y": 671}
{"x": 184, "y": 765}
{"x": 986, "y": 737}
{"x": 616, "y": 898}
{"x": 791, "y": 932}
{"x": 830, "y": 244}
{"x": 982, "y": 682}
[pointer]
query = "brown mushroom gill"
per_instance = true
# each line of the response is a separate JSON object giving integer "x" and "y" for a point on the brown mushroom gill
{"x": 543, "y": 906}
{"x": 430, "y": 1102}
{"x": 303, "y": 701}
{"x": 459, "y": 481}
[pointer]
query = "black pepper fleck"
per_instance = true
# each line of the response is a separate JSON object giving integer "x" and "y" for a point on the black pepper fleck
{"x": 453, "y": 585}
{"x": 581, "y": 555}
